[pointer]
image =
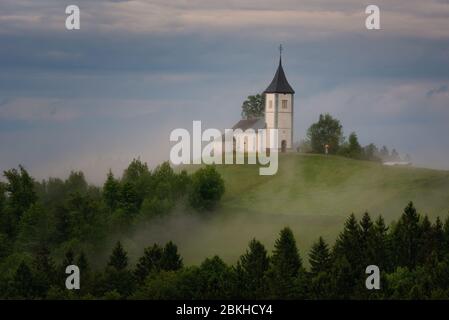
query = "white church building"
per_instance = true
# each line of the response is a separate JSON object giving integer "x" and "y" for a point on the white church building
{"x": 278, "y": 115}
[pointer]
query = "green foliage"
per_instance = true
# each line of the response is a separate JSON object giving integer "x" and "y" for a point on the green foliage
{"x": 129, "y": 198}
{"x": 348, "y": 244}
{"x": 380, "y": 246}
{"x": 45, "y": 274}
{"x": 254, "y": 106}
{"x": 159, "y": 273}
{"x": 164, "y": 285}
{"x": 251, "y": 270}
{"x": 56, "y": 215}
{"x": 207, "y": 188}
{"x": 171, "y": 260}
{"x": 2, "y": 196}
{"x": 352, "y": 148}
{"x": 371, "y": 152}
{"x": 135, "y": 171}
{"x": 149, "y": 262}
{"x": 111, "y": 192}
{"x": 22, "y": 195}
{"x": 214, "y": 280}
{"x": 285, "y": 265}
{"x": 406, "y": 237}
{"x": 327, "y": 130}
{"x": 23, "y": 284}
{"x": 35, "y": 229}
{"x": 319, "y": 257}
{"x": 156, "y": 259}
{"x": 76, "y": 183}
{"x": 119, "y": 258}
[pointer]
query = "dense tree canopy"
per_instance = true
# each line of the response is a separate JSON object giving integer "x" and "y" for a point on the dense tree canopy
{"x": 327, "y": 131}
{"x": 254, "y": 107}
{"x": 60, "y": 222}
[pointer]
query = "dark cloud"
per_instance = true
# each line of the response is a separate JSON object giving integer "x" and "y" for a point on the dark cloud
{"x": 138, "y": 69}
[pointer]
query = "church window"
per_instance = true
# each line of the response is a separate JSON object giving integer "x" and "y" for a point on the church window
{"x": 284, "y": 104}
{"x": 270, "y": 104}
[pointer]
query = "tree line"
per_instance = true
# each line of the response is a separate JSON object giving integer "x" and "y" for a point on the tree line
{"x": 327, "y": 133}
{"x": 412, "y": 254}
{"x": 54, "y": 215}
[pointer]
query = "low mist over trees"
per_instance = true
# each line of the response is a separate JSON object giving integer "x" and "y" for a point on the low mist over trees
{"x": 46, "y": 226}
{"x": 42, "y": 219}
{"x": 412, "y": 254}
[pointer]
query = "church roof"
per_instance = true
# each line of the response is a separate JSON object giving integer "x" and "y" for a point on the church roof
{"x": 254, "y": 123}
{"x": 279, "y": 83}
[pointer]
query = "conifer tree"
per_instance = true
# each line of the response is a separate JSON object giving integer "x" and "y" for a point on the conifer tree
{"x": 149, "y": 262}
{"x": 111, "y": 192}
{"x": 285, "y": 265}
{"x": 119, "y": 258}
{"x": 343, "y": 281}
{"x": 426, "y": 243}
{"x": 367, "y": 239}
{"x": 285, "y": 255}
{"x": 348, "y": 244}
{"x": 320, "y": 277}
{"x": 129, "y": 199}
{"x": 45, "y": 271}
{"x": 171, "y": 260}
{"x": 86, "y": 275}
{"x": 2, "y": 197}
{"x": 251, "y": 269}
{"x": 381, "y": 245}
{"x": 406, "y": 237}
{"x": 320, "y": 257}
{"x": 23, "y": 282}
{"x": 446, "y": 237}
{"x": 438, "y": 237}
{"x": 214, "y": 280}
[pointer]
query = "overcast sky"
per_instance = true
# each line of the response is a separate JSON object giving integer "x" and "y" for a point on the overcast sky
{"x": 95, "y": 98}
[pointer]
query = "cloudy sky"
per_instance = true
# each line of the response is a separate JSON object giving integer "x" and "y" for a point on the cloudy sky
{"x": 95, "y": 98}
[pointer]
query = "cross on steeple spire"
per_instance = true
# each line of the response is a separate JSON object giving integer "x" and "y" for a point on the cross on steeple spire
{"x": 280, "y": 83}
{"x": 280, "y": 52}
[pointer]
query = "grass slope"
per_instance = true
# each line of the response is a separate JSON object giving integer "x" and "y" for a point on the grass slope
{"x": 313, "y": 194}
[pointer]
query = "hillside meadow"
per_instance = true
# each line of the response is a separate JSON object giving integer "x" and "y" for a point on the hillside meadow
{"x": 312, "y": 194}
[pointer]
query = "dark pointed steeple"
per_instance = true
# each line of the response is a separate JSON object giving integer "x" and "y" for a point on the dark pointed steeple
{"x": 279, "y": 83}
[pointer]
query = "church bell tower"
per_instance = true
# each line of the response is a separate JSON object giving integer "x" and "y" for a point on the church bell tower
{"x": 279, "y": 107}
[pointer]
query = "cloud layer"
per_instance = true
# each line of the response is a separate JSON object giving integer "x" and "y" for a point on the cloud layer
{"x": 137, "y": 69}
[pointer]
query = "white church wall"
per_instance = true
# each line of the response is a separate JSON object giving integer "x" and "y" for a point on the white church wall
{"x": 269, "y": 119}
{"x": 284, "y": 120}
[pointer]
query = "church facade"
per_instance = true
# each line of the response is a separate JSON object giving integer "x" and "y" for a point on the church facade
{"x": 279, "y": 107}
{"x": 279, "y": 101}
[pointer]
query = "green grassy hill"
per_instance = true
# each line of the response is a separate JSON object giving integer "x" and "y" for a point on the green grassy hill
{"x": 313, "y": 194}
